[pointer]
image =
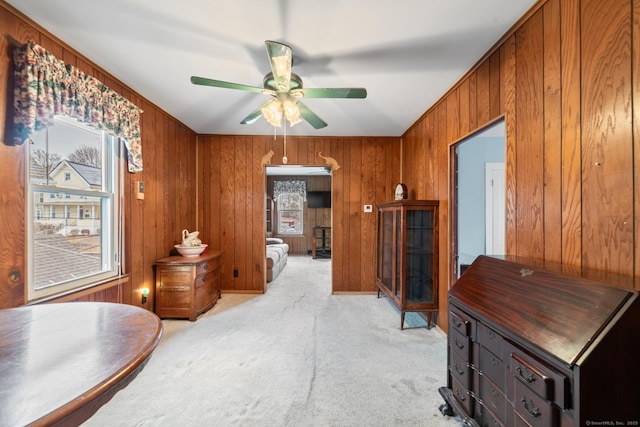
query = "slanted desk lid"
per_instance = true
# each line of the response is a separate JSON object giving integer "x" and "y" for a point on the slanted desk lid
{"x": 560, "y": 314}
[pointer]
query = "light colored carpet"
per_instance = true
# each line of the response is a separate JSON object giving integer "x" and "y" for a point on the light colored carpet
{"x": 295, "y": 356}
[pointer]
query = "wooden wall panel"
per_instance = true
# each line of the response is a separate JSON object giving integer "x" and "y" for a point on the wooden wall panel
{"x": 368, "y": 171}
{"x": 509, "y": 59}
{"x": 552, "y": 215}
{"x": 571, "y": 132}
{"x": 635, "y": 91}
{"x": 567, "y": 84}
{"x": 529, "y": 136}
{"x": 607, "y": 145}
{"x": 150, "y": 225}
{"x": 12, "y": 201}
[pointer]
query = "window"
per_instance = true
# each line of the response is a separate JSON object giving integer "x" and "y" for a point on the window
{"x": 290, "y": 213}
{"x": 73, "y": 224}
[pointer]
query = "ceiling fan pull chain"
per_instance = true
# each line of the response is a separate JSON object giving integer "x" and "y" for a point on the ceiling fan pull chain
{"x": 284, "y": 158}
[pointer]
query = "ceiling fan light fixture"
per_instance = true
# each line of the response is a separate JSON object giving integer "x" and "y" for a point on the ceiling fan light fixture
{"x": 283, "y": 66}
{"x": 272, "y": 113}
{"x": 291, "y": 112}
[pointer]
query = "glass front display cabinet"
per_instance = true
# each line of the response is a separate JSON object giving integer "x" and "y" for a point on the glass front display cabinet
{"x": 407, "y": 256}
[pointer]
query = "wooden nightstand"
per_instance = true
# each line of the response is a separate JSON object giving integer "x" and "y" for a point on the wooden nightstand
{"x": 187, "y": 287}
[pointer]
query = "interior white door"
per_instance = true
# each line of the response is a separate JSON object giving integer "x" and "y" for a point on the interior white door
{"x": 495, "y": 208}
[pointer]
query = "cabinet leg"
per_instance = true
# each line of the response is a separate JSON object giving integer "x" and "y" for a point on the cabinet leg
{"x": 429, "y": 314}
{"x": 402, "y": 321}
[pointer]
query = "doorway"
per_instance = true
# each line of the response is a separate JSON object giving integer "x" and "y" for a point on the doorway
{"x": 316, "y": 215}
{"x": 478, "y": 195}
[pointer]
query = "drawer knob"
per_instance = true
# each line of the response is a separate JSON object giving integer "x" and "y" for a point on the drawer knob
{"x": 526, "y": 374}
{"x": 205, "y": 266}
{"x": 459, "y": 344}
{"x": 460, "y": 395}
{"x": 459, "y": 369}
{"x": 530, "y": 407}
{"x": 457, "y": 322}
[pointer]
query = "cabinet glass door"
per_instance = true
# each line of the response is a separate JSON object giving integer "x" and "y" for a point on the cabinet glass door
{"x": 385, "y": 248}
{"x": 419, "y": 262}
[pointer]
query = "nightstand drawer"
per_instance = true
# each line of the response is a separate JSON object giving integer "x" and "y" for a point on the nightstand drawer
{"x": 207, "y": 266}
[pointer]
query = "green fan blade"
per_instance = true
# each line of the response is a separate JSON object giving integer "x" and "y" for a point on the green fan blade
{"x": 254, "y": 115}
{"x": 219, "y": 83}
{"x": 311, "y": 117}
{"x": 353, "y": 92}
{"x": 280, "y": 59}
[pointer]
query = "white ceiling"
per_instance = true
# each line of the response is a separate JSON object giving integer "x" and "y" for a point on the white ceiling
{"x": 406, "y": 53}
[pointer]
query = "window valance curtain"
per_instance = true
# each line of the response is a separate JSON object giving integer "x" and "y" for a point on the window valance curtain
{"x": 290, "y": 186}
{"x": 46, "y": 86}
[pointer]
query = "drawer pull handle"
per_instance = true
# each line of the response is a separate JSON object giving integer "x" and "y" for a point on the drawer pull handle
{"x": 457, "y": 322}
{"x": 526, "y": 374}
{"x": 530, "y": 407}
{"x": 460, "y": 395}
{"x": 493, "y": 391}
{"x": 495, "y": 361}
{"x": 459, "y": 344}
{"x": 459, "y": 369}
{"x": 205, "y": 266}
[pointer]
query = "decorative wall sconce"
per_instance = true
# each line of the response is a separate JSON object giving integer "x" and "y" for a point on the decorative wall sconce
{"x": 145, "y": 294}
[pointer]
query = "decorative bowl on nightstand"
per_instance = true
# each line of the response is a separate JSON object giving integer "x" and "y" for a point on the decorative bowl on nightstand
{"x": 191, "y": 251}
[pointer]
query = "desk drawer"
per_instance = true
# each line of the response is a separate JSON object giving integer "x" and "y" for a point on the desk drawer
{"x": 493, "y": 367}
{"x": 461, "y": 323}
{"x": 493, "y": 398}
{"x": 460, "y": 343}
{"x": 532, "y": 375}
{"x": 461, "y": 394}
{"x": 536, "y": 411}
{"x": 490, "y": 339}
{"x": 460, "y": 369}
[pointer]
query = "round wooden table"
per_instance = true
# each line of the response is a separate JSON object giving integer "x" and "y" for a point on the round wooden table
{"x": 60, "y": 362}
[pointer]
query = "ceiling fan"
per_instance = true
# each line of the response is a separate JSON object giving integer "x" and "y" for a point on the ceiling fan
{"x": 285, "y": 89}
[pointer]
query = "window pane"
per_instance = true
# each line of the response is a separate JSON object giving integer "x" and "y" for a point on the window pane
{"x": 73, "y": 226}
{"x": 68, "y": 155}
{"x": 68, "y": 247}
{"x": 290, "y": 213}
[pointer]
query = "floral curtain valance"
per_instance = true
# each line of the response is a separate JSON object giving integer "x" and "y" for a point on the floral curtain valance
{"x": 299, "y": 187}
{"x": 46, "y": 86}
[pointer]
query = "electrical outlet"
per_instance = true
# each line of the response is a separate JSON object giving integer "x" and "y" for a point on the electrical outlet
{"x": 368, "y": 208}
{"x": 235, "y": 272}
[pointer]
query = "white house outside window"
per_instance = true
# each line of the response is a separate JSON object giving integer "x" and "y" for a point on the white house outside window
{"x": 73, "y": 195}
{"x": 290, "y": 213}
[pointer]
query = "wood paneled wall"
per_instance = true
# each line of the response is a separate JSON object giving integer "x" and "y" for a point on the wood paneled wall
{"x": 233, "y": 186}
{"x": 567, "y": 81}
{"x": 152, "y": 225}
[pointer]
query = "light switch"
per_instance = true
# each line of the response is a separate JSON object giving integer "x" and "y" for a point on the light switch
{"x": 140, "y": 190}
